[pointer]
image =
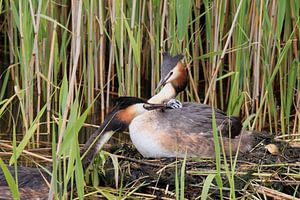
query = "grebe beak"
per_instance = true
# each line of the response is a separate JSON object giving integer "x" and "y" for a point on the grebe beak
{"x": 163, "y": 81}
{"x": 150, "y": 106}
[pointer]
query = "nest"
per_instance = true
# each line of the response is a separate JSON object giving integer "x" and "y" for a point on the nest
{"x": 263, "y": 171}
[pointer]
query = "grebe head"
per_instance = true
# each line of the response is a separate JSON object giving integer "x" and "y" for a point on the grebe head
{"x": 174, "y": 72}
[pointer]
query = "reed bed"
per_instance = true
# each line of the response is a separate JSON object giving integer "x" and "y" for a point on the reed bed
{"x": 62, "y": 62}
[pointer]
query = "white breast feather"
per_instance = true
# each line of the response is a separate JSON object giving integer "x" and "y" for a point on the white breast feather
{"x": 145, "y": 138}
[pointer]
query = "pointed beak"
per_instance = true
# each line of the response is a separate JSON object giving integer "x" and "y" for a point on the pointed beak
{"x": 149, "y": 106}
{"x": 162, "y": 82}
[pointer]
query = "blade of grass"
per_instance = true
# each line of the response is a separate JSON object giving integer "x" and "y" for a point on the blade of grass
{"x": 10, "y": 180}
{"x": 206, "y": 186}
{"x": 183, "y": 9}
{"x": 218, "y": 176}
{"x": 28, "y": 135}
{"x": 182, "y": 179}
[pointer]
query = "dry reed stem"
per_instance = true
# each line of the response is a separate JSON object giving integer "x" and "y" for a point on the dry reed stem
{"x": 49, "y": 81}
{"x": 35, "y": 55}
{"x": 27, "y": 152}
{"x": 101, "y": 60}
{"x": 214, "y": 76}
{"x": 155, "y": 27}
{"x": 274, "y": 194}
{"x": 76, "y": 22}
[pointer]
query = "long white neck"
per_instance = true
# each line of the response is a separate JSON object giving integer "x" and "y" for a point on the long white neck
{"x": 168, "y": 92}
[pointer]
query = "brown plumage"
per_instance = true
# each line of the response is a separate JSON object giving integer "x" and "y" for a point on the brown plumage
{"x": 171, "y": 133}
{"x": 167, "y": 134}
{"x": 198, "y": 144}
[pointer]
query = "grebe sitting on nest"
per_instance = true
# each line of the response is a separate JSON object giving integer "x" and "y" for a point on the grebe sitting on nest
{"x": 187, "y": 130}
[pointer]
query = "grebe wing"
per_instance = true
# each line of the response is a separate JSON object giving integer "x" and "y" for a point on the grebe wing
{"x": 197, "y": 118}
{"x": 197, "y": 144}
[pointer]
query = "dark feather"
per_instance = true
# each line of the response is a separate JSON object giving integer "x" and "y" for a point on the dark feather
{"x": 124, "y": 102}
{"x": 196, "y": 118}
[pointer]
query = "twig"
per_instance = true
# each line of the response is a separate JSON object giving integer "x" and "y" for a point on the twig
{"x": 27, "y": 152}
{"x": 137, "y": 161}
{"x": 274, "y": 194}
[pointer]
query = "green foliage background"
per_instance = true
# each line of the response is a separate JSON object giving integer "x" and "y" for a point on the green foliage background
{"x": 58, "y": 57}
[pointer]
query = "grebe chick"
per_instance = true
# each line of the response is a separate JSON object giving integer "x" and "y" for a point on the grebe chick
{"x": 31, "y": 181}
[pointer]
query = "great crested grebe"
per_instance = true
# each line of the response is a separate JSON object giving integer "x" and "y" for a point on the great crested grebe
{"x": 188, "y": 129}
{"x": 31, "y": 181}
{"x": 199, "y": 116}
